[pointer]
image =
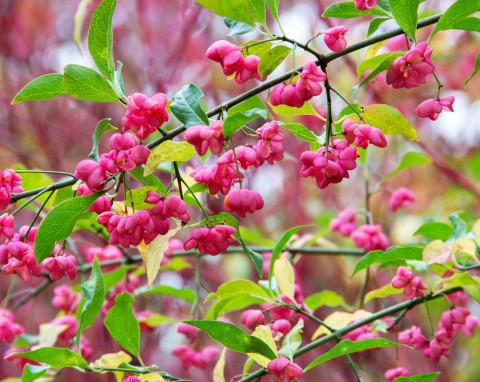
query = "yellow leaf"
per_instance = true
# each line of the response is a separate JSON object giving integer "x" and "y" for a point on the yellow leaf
{"x": 48, "y": 334}
{"x": 168, "y": 151}
{"x": 218, "y": 371}
{"x": 153, "y": 253}
{"x": 151, "y": 377}
{"x": 464, "y": 246}
{"x": 79, "y": 18}
{"x": 112, "y": 360}
{"x": 476, "y": 229}
{"x": 264, "y": 333}
{"x": 373, "y": 49}
{"x": 338, "y": 320}
{"x": 285, "y": 276}
{"x": 436, "y": 252}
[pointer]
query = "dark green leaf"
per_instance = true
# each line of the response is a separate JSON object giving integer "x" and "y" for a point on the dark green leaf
{"x": 324, "y": 298}
{"x": 347, "y": 10}
{"x": 277, "y": 250}
{"x": 233, "y": 337}
{"x": 186, "y": 106}
{"x": 56, "y": 358}
{"x": 43, "y": 87}
{"x": 102, "y": 127}
{"x": 405, "y": 14}
{"x": 419, "y": 378}
{"x": 185, "y": 294}
{"x": 100, "y": 38}
{"x": 435, "y": 230}
{"x": 32, "y": 373}
{"x": 237, "y": 120}
{"x": 270, "y": 61}
{"x": 58, "y": 224}
{"x": 468, "y": 24}
{"x": 241, "y": 10}
{"x": 475, "y": 71}
{"x": 93, "y": 292}
{"x": 301, "y": 132}
{"x": 122, "y": 324}
{"x": 86, "y": 84}
{"x": 348, "y": 347}
{"x": 457, "y": 12}
{"x": 375, "y": 24}
{"x": 393, "y": 254}
{"x": 384, "y": 4}
{"x": 149, "y": 180}
{"x": 237, "y": 27}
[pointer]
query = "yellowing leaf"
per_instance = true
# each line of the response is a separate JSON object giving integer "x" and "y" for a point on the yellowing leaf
{"x": 338, "y": 320}
{"x": 151, "y": 377}
{"x": 264, "y": 333}
{"x": 436, "y": 252}
{"x": 385, "y": 291}
{"x": 78, "y": 21}
{"x": 285, "y": 276}
{"x": 218, "y": 370}
{"x": 49, "y": 333}
{"x": 168, "y": 151}
{"x": 476, "y": 229}
{"x": 112, "y": 359}
{"x": 464, "y": 246}
{"x": 373, "y": 49}
{"x": 153, "y": 253}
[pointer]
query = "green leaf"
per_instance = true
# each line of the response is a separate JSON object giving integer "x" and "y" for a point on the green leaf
{"x": 186, "y": 106}
{"x": 255, "y": 257}
{"x": 102, "y": 127}
{"x": 185, "y": 294}
{"x": 468, "y": 24}
{"x": 58, "y": 224}
{"x": 292, "y": 341}
{"x": 273, "y": 7}
{"x": 100, "y": 38}
{"x": 325, "y": 298}
{"x": 233, "y": 337}
{"x": 238, "y": 288}
{"x": 93, "y": 292}
{"x": 122, "y": 324}
{"x": 475, "y": 71}
{"x": 405, "y": 14}
{"x": 86, "y": 84}
{"x": 43, "y": 87}
{"x": 347, "y": 10}
{"x": 168, "y": 151}
{"x": 258, "y": 47}
{"x": 241, "y": 10}
{"x": 137, "y": 197}
{"x": 419, "y": 378}
{"x": 35, "y": 180}
{"x": 259, "y": 10}
{"x": 118, "y": 80}
{"x": 269, "y": 62}
{"x": 301, "y": 132}
{"x": 348, "y": 347}
{"x": 458, "y": 11}
{"x": 277, "y": 250}
{"x": 32, "y": 373}
{"x": 385, "y": 291}
{"x": 237, "y": 27}
{"x": 149, "y": 180}
{"x": 435, "y": 230}
{"x": 112, "y": 278}
{"x": 410, "y": 159}
{"x": 459, "y": 225}
{"x": 388, "y": 119}
{"x": 78, "y": 20}
{"x": 56, "y": 358}
{"x": 306, "y": 109}
{"x": 236, "y": 121}
{"x": 254, "y": 102}
{"x": 384, "y": 4}
{"x": 222, "y": 307}
{"x": 393, "y": 254}
{"x": 375, "y": 24}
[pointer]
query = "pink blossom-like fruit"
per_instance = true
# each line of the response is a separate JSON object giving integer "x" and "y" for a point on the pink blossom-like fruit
{"x": 335, "y": 38}
{"x": 401, "y": 198}
{"x": 243, "y": 201}
{"x": 431, "y": 108}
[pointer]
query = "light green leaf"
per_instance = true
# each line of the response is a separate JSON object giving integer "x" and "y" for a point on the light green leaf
{"x": 122, "y": 324}
{"x": 56, "y": 358}
{"x": 32, "y": 373}
{"x": 385, "y": 291}
{"x": 273, "y": 7}
{"x": 78, "y": 20}
{"x": 100, "y": 38}
{"x": 306, "y": 109}
{"x": 86, "y": 84}
{"x": 224, "y": 306}
{"x": 435, "y": 230}
{"x": 102, "y": 127}
{"x": 156, "y": 320}
{"x": 43, "y": 87}
{"x": 348, "y": 347}
{"x": 137, "y": 197}
{"x": 457, "y": 12}
{"x": 301, "y": 132}
{"x": 468, "y": 24}
{"x": 270, "y": 61}
{"x": 186, "y": 106}
{"x": 236, "y": 121}
{"x": 292, "y": 341}
{"x": 393, "y": 254}
{"x": 237, "y": 27}
{"x": 375, "y": 24}
{"x": 475, "y": 71}
{"x": 233, "y": 337}
{"x": 325, "y": 298}
{"x": 219, "y": 369}
{"x": 264, "y": 333}
{"x": 241, "y": 10}
{"x": 168, "y": 151}
{"x": 259, "y": 10}
{"x": 149, "y": 180}
{"x": 389, "y": 120}
{"x": 118, "y": 80}
{"x": 410, "y": 159}
{"x": 347, "y": 10}
{"x": 238, "y": 288}
{"x": 256, "y": 47}
{"x": 58, "y": 224}
{"x": 185, "y": 294}
{"x": 419, "y": 378}
{"x": 93, "y": 292}
{"x": 285, "y": 276}
{"x": 405, "y": 14}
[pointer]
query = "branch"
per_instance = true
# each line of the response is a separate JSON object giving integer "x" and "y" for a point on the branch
{"x": 31, "y": 295}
